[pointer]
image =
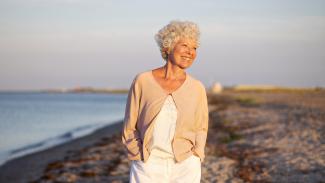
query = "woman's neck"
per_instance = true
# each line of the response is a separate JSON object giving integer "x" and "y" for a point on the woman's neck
{"x": 171, "y": 72}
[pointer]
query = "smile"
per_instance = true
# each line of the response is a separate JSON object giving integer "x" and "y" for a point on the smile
{"x": 186, "y": 58}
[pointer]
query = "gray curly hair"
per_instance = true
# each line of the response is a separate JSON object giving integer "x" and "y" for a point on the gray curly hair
{"x": 173, "y": 32}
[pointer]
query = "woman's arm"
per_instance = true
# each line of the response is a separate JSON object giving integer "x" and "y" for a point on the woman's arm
{"x": 202, "y": 130}
{"x": 130, "y": 136}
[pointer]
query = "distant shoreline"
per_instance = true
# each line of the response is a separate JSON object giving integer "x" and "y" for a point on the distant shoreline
{"x": 85, "y": 90}
{"x": 115, "y": 91}
{"x": 240, "y": 87}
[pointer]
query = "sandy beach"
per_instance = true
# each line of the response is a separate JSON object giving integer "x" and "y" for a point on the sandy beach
{"x": 254, "y": 136}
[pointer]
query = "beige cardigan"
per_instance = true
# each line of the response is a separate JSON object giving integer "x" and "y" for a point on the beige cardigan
{"x": 145, "y": 99}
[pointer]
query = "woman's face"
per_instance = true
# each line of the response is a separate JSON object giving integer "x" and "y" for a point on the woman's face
{"x": 183, "y": 54}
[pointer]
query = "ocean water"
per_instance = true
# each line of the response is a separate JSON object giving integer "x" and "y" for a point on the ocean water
{"x": 31, "y": 122}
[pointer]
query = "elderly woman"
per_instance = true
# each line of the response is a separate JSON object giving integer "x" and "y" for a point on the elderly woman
{"x": 166, "y": 115}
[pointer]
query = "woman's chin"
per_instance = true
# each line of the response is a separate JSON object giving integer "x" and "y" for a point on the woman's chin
{"x": 185, "y": 66}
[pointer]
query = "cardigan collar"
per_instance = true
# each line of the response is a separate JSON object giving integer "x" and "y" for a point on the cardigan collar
{"x": 163, "y": 91}
{"x": 178, "y": 95}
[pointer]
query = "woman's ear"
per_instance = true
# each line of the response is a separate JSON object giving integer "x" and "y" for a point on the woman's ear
{"x": 165, "y": 50}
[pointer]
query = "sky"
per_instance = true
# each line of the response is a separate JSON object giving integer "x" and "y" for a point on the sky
{"x": 105, "y": 43}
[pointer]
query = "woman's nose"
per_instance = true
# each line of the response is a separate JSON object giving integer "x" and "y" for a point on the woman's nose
{"x": 191, "y": 51}
{"x": 188, "y": 50}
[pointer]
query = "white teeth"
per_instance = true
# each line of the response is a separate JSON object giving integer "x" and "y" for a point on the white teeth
{"x": 186, "y": 58}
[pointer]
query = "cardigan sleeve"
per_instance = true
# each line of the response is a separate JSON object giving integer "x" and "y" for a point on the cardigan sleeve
{"x": 202, "y": 130}
{"x": 130, "y": 135}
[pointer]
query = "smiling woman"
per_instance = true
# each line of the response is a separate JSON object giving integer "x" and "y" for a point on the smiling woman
{"x": 166, "y": 115}
{"x": 168, "y": 36}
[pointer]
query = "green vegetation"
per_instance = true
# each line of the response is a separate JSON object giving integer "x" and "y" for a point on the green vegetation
{"x": 232, "y": 137}
{"x": 247, "y": 101}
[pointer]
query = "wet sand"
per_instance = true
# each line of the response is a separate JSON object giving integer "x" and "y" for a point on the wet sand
{"x": 31, "y": 167}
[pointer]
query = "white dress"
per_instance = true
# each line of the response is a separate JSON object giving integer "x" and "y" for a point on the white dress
{"x": 161, "y": 165}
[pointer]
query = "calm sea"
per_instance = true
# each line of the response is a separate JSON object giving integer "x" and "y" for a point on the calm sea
{"x": 31, "y": 122}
